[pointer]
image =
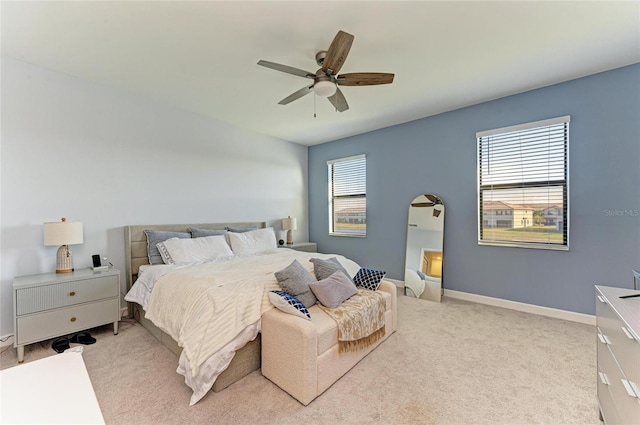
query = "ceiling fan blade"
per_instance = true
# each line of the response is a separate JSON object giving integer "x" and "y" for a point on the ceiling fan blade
{"x": 431, "y": 197}
{"x": 337, "y": 53}
{"x": 338, "y": 101}
{"x": 422, "y": 204}
{"x": 288, "y": 69}
{"x": 296, "y": 95}
{"x": 365, "y": 79}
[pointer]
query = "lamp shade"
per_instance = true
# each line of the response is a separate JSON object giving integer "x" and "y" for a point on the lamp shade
{"x": 289, "y": 224}
{"x": 62, "y": 233}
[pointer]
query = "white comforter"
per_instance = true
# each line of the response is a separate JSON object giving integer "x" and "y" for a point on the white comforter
{"x": 207, "y": 307}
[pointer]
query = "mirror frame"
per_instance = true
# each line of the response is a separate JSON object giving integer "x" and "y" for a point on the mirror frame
{"x": 429, "y": 289}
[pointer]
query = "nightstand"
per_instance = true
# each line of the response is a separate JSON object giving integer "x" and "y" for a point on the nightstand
{"x": 302, "y": 246}
{"x": 50, "y": 305}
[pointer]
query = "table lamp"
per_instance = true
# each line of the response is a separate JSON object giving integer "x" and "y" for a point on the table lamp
{"x": 63, "y": 233}
{"x": 289, "y": 224}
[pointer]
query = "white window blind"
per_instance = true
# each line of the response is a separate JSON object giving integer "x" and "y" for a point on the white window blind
{"x": 523, "y": 191}
{"x": 348, "y": 196}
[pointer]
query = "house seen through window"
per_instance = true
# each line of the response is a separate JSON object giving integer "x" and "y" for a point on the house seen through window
{"x": 348, "y": 196}
{"x": 523, "y": 190}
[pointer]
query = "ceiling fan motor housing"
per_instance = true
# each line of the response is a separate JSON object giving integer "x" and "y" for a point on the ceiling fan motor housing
{"x": 321, "y": 76}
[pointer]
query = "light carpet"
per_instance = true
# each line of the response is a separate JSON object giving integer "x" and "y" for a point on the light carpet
{"x": 451, "y": 363}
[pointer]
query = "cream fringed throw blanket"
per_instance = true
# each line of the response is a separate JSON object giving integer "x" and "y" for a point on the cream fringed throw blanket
{"x": 360, "y": 320}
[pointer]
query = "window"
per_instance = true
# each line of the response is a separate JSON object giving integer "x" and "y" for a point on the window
{"x": 523, "y": 190}
{"x": 348, "y": 196}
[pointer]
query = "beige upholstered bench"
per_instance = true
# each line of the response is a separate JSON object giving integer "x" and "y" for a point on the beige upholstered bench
{"x": 302, "y": 356}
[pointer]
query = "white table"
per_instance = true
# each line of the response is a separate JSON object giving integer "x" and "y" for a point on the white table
{"x": 53, "y": 390}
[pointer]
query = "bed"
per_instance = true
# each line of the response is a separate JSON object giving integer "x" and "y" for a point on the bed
{"x": 247, "y": 359}
{"x": 246, "y": 344}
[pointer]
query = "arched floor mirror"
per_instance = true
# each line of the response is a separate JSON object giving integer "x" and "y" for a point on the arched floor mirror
{"x": 424, "y": 255}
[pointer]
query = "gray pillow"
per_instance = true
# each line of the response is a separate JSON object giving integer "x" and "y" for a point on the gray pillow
{"x": 325, "y": 268}
{"x": 334, "y": 290}
{"x": 155, "y": 237}
{"x": 201, "y": 233}
{"x": 295, "y": 279}
{"x": 241, "y": 229}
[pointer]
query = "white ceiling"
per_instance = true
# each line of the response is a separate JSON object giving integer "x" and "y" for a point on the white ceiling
{"x": 201, "y": 56}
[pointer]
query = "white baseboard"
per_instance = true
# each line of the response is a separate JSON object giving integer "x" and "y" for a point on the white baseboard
{"x": 571, "y": 316}
{"x": 8, "y": 342}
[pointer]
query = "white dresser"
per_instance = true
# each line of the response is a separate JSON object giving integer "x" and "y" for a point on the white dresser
{"x": 50, "y": 305}
{"x": 618, "y": 339}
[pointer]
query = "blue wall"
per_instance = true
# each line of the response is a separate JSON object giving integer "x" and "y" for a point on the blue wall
{"x": 438, "y": 155}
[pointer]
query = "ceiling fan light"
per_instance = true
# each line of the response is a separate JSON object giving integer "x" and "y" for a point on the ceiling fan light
{"x": 325, "y": 88}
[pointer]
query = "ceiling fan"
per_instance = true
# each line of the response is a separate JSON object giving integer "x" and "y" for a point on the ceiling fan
{"x": 326, "y": 79}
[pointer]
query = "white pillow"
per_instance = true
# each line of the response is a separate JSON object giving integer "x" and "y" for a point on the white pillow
{"x": 183, "y": 251}
{"x": 252, "y": 242}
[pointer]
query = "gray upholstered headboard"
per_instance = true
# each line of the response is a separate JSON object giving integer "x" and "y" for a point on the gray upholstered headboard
{"x": 135, "y": 241}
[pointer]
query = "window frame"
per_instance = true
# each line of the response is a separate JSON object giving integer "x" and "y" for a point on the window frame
{"x": 563, "y": 184}
{"x": 332, "y": 197}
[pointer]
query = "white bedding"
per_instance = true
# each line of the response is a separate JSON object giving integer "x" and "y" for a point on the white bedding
{"x": 212, "y": 309}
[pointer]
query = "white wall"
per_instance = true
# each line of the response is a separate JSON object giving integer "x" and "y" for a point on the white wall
{"x": 75, "y": 149}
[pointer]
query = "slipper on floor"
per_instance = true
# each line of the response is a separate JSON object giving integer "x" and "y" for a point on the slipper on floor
{"x": 60, "y": 344}
{"x": 83, "y": 338}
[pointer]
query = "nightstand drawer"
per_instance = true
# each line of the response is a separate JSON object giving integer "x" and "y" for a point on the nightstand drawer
{"x": 66, "y": 320}
{"x": 49, "y": 297}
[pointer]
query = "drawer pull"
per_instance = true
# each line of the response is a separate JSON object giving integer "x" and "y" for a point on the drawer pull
{"x": 603, "y": 378}
{"x": 603, "y": 339}
{"x": 72, "y": 293}
{"x": 73, "y": 319}
{"x": 601, "y": 299}
{"x": 626, "y": 332}
{"x": 627, "y": 386}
